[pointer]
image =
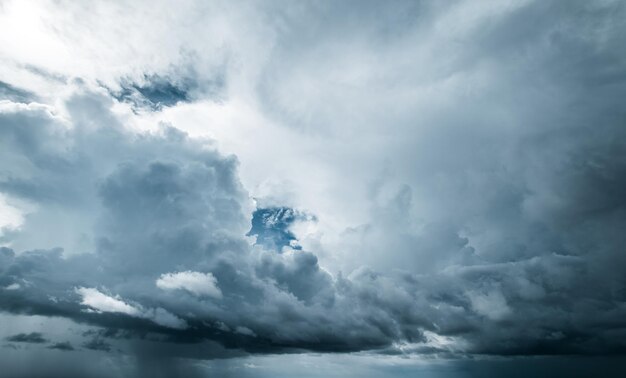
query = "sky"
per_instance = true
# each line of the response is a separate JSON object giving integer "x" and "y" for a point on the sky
{"x": 312, "y": 188}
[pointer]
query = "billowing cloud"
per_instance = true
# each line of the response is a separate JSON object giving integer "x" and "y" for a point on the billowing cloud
{"x": 408, "y": 179}
{"x": 104, "y": 303}
{"x": 201, "y": 284}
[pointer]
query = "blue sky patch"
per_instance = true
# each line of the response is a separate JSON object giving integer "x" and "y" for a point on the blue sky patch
{"x": 271, "y": 227}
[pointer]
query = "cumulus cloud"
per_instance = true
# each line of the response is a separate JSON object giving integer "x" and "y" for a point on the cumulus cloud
{"x": 99, "y": 302}
{"x": 441, "y": 179}
{"x": 104, "y": 303}
{"x": 201, "y": 284}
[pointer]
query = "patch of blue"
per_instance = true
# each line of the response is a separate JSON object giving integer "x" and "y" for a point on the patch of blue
{"x": 271, "y": 227}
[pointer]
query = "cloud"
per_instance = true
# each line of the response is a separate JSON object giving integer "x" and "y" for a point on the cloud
{"x": 7, "y": 91}
{"x": 13, "y": 286}
{"x": 200, "y": 284}
{"x": 32, "y": 338}
{"x": 104, "y": 303}
{"x": 245, "y": 331}
{"x": 159, "y": 208}
{"x": 97, "y": 344}
{"x": 64, "y": 346}
{"x": 491, "y": 304}
{"x": 163, "y": 317}
{"x": 155, "y": 93}
{"x": 100, "y": 302}
{"x": 463, "y": 166}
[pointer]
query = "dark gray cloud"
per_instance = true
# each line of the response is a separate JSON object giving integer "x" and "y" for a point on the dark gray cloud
{"x": 158, "y": 204}
{"x": 33, "y": 338}
{"x": 97, "y": 344}
{"x": 163, "y": 203}
{"x": 64, "y": 345}
{"x": 492, "y": 187}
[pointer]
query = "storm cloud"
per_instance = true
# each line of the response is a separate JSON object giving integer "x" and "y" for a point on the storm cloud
{"x": 396, "y": 181}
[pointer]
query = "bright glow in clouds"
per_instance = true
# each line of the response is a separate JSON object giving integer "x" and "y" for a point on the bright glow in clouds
{"x": 13, "y": 286}
{"x": 104, "y": 303}
{"x": 10, "y": 217}
{"x": 200, "y": 284}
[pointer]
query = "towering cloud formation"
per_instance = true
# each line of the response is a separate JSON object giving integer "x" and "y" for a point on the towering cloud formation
{"x": 162, "y": 219}
{"x": 413, "y": 179}
{"x": 194, "y": 282}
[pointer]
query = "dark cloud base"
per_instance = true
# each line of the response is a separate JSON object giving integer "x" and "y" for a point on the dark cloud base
{"x": 33, "y": 337}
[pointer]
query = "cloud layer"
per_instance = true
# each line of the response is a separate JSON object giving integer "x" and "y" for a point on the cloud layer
{"x": 414, "y": 179}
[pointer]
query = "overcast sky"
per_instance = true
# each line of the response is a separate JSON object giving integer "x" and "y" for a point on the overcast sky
{"x": 312, "y": 188}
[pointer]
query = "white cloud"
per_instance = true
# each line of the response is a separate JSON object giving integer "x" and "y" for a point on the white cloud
{"x": 11, "y": 217}
{"x": 165, "y": 318}
{"x": 104, "y": 303}
{"x": 101, "y": 302}
{"x": 491, "y": 304}
{"x": 200, "y": 284}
